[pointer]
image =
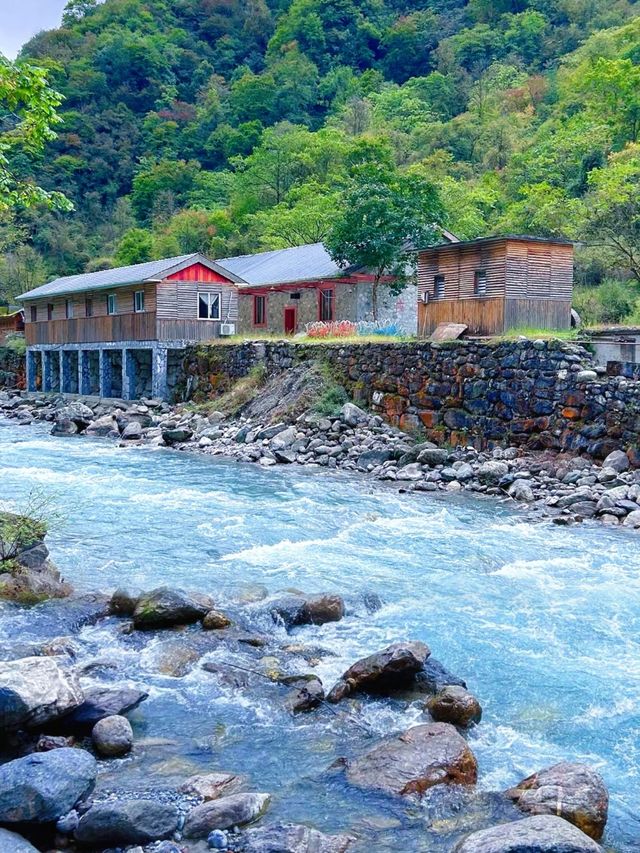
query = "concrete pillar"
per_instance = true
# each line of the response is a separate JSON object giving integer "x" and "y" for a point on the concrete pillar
{"x": 129, "y": 372}
{"x": 159, "y": 387}
{"x": 105, "y": 373}
{"x": 32, "y": 370}
{"x": 47, "y": 370}
{"x": 84, "y": 372}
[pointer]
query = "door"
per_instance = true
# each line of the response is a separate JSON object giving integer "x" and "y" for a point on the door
{"x": 289, "y": 321}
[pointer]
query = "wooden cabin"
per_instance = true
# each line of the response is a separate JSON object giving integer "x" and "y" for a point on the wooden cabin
{"x": 11, "y": 324}
{"x": 494, "y": 284}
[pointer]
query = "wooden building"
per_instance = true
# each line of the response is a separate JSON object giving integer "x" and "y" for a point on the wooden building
{"x": 496, "y": 283}
{"x": 11, "y": 324}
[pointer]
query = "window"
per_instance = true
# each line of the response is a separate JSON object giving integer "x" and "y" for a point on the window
{"x": 294, "y": 296}
{"x": 438, "y": 287}
{"x": 138, "y": 301}
{"x": 34, "y": 313}
{"x": 50, "y": 311}
{"x": 68, "y": 308}
{"x": 111, "y": 303}
{"x": 326, "y": 306}
{"x": 208, "y": 306}
{"x": 480, "y": 283}
{"x": 88, "y": 307}
{"x": 259, "y": 310}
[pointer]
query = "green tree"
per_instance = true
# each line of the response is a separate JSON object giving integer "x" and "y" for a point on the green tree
{"x": 382, "y": 213}
{"x": 306, "y": 216}
{"x": 28, "y": 114}
{"x": 135, "y": 247}
{"x": 164, "y": 180}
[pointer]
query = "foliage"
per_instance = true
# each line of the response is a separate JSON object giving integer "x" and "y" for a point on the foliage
{"x": 612, "y": 302}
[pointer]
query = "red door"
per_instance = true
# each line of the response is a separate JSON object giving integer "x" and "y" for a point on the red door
{"x": 289, "y": 321}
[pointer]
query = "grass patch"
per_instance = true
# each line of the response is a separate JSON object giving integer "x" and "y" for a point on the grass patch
{"x": 233, "y": 400}
{"x": 540, "y": 334}
{"x": 308, "y": 341}
{"x": 332, "y": 394}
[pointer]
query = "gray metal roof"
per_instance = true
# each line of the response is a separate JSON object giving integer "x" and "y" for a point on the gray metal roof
{"x": 301, "y": 263}
{"x": 120, "y": 276}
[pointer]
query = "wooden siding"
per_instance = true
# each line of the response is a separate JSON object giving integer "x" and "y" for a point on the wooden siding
{"x": 539, "y": 271}
{"x": 93, "y": 330}
{"x": 482, "y": 316}
{"x": 187, "y": 330}
{"x": 124, "y": 303}
{"x": 197, "y": 272}
{"x": 537, "y": 314}
{"x": 458, "y": 266}
{"x": 178, "y": 300}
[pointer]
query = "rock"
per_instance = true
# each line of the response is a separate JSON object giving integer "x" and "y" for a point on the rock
{"x": 104, "y": 426}
{"x": 412, "y": 471}
{"x": 214, "y": 620}
{"x": 491, "y": 472}
{"x": 294, "y": 610}
{"x": 123, "y": 822}
{"x": 520, "y": 490}
{"x": 418, "y": 759}
{"x": 293, "y": 838}
{"x": 542, "y": 834}
{"x": 574, "y": 792}
{"x": 77, "y": 413}
{"x": 586, "y": 376}
{"x": 112, "y": 736}
{"x": 42, "y": 787}
{"x": 176, "y": 435}
{"x": 433, "y": 456}
{"x": 434, "y": 677}
{"x": 373, "y": 458}
{"x": 165, "y": 607}
{"x": 352, "y": 415}
{"x": 234, "y": 810}
{"x": 218, "y": 840}
{"x": 382, "y": 672}
{"x": 132, "y": 431}
{"x": 306, "y": 693}
{"x": 35, "y": 691}
{"x": 101, "y": 702}
{"x": 455, "y": 705}
{"x": 68, "y": 823}
{"x": 48, "y": 742}
{"x": 122, "y": 603}
{"x": 64, "y": 426}
{"x": 12, "y": 843}
{"x": 283, "y": 439}
{"x": 210, "y": 786}
{"x": 633, "y": 519}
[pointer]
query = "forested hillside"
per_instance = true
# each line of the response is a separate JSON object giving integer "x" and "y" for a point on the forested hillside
{"x": 228, "y": 126}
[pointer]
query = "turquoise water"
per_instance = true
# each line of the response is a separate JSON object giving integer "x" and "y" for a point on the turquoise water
{"x": 543, "y": 622}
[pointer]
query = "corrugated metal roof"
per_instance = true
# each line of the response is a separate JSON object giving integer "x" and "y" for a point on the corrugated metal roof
{"x": 479, "y": 241}
{"x": 300, "y": 263}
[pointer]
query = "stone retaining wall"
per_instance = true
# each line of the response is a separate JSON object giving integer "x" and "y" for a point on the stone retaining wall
{"x": 12, "y": 369}
{"x": 535, "y": 393}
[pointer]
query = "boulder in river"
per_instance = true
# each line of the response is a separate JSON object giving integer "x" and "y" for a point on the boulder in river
{"x": 573, "y": 791}
{"x": 101, "y": 702}
{"x": 234, "y": 810}
{"x": 293, "y": 838}
{"x": 214, "y": 620}
{"x": 123, "y": 822}
{"x": 165, "y": 607}
{"x": 305, "y": 693}
{"x": 540, "y": 834}
{"x": 123, "y": 603}
{"x": 12, "y": 843}
{"x": 210, "y": 786}
{"x": 42, "y": 787}
{"x": 414, "y": 761}
{"x": 293, "y": 610}
{"x": 35, "y": 691}
{"x": 455, "y": 705}
{"x": 112, "y": 736}
{"x": 382, "y": 672}
{"x": 434, "y": 677}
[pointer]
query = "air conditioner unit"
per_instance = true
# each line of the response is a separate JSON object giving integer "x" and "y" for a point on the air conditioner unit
{"x": 424, "y": 296}
{"x": 227, "y": 329}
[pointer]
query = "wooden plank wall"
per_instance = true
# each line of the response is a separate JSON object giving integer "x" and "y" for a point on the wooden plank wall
{"x": 187, "y": 330}
{"x": 94, "y": 330}
{"x": 537, "y": 314}
{"x": 124, "y": 303}
{"x": 458, "y": 264}
{"x": 482, "y": 316}
{"x": 178, "y": 300}
{"x": 539, "y": 270}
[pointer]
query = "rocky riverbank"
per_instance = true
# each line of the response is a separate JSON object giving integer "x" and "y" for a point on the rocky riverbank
{"x": 278, "y": 427}
{"x": 61, "y": 728}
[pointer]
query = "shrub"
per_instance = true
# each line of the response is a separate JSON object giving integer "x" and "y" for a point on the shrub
{"x": 612, "y": 302}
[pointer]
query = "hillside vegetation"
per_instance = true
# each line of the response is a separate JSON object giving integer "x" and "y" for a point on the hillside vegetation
{"x": 229, "y": 126}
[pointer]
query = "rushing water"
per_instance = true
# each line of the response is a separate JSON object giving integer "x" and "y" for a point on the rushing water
{"x": 543, "y": 622}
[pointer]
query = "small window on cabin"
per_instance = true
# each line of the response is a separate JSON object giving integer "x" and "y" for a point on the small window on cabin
{"x": 138, "y": 301}
{"x": 480, "y": 283}
{"x": 294, "y": 296}
{"x": 326, "y": 306}
{"x": 68, "y": 309}
{"x": 34, "y": 313}
{"x": 111, "y": 303}
{"x": 209, "y": 306}
{"x": 50, "y": 311}
{"x": 259, "y": 310}
{"x": 438, "y": 287}
{"x": 88, "y": 307}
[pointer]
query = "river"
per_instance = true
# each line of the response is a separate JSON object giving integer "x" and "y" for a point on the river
{"x": 543, "y": 622}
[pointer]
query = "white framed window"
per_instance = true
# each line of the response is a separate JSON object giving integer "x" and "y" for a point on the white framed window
{"x": 138, "y": 301}
{"x": 438, "y": 287}
{"x": 209, "y": 306}
{"x": 480, "y": 283}
{"x": 111, "y": 303}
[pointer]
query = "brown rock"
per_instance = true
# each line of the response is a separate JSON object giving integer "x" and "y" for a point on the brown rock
{"x": 211, "y": 786}
{"x": 574, "y": 792}
{"x": 455, "y": 705}
{"x": 215, "y": 620}
{"x": 382, "y": 672}
{"x": 413, "y": 762}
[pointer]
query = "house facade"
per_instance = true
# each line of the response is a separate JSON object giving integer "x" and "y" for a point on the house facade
{"x": 11, "y": 324}
{"x": 495, "y": 284}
